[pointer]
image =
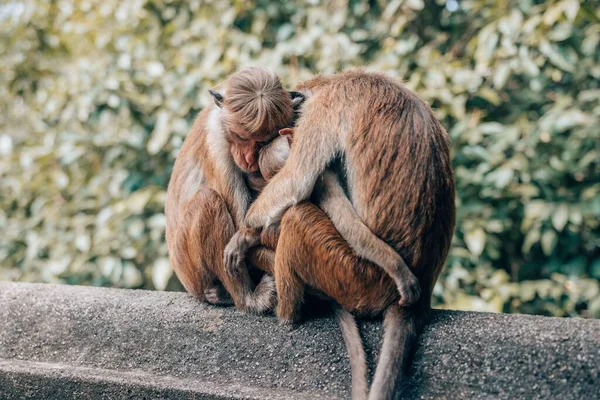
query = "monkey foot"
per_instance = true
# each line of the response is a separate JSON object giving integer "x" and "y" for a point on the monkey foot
{"x": 218, "y": 296}
{"x": 289, "y": 325}
{"x": 289, "y": 319}
{"x": 410, "y": 290}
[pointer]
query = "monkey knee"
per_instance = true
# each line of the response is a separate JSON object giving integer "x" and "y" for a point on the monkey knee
{"x": 208, "y": 202}
{"x": 301, "y": 214}
{"x": 207, "y": 195}
{"x": 307, "y": 225}
{"x": 208, "y": 209}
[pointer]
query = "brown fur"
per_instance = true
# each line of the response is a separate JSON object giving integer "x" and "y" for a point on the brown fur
{"x": 401, "y": 185}
{"x": 208, "y": 194}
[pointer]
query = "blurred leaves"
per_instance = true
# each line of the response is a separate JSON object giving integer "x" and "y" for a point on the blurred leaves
{"x": 97, "y": 97}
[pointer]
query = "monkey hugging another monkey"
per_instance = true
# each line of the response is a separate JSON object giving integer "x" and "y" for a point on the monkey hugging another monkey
{"x": 362, "y": 210}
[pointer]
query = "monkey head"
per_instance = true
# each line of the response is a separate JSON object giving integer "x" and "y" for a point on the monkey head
{"x": 246, "y": 135}
{"x": 273, "y": 156}
{"x": 254, "y": 106}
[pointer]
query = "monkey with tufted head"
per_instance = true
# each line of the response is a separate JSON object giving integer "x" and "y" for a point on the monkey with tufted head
{"x": 214, "y": 179}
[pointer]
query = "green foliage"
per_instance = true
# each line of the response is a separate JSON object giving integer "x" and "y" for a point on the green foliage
{"x": 97, "y": 97}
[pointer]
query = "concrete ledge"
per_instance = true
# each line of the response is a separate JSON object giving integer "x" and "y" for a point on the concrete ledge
{"x": 70, "y": 342}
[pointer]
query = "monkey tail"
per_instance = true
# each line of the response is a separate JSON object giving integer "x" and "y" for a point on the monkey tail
{"x": 400, "y": 333}
{"x": 356, "y": 353}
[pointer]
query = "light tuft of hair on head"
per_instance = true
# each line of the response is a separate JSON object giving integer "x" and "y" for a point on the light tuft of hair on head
{"x": 257, "y": 100}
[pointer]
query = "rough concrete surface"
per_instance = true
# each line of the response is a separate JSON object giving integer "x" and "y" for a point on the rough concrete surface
{"x": 71, "y": 342}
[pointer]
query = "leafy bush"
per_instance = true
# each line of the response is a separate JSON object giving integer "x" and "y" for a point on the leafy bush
{"x": 97, "y": 97}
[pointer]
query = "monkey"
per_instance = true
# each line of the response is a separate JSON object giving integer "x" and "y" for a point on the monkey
{"x": 212, "y": 184}
{"x": 330, "y": 197}
{"x": 400, "y": 183}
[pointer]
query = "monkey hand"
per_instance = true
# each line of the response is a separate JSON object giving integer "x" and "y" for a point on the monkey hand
{"x": 236, "y": 249}
{"x": 409, "y": 288}
{"x": 234, "y": 254}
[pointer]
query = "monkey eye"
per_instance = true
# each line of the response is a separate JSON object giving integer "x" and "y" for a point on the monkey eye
{"x": 237, "y": 136}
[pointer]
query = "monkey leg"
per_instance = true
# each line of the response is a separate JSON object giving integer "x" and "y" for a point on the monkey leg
{"x": 262, "y": 258}
{"x": 290, "y": 288}
{"x": 206, "y": 228}
{"x": 294, "y": 252}
{"x": 333, "y": 201}
{"x": 311, "y": 252}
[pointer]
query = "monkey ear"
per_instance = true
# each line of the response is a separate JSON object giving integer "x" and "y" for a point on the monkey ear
{"x": 297, "y": 99}
{"x": 217, "y": 97}
{"x": 288, "y": 133}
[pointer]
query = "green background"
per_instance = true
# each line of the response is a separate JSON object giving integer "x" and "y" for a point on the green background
{"x": 96, "y": 98}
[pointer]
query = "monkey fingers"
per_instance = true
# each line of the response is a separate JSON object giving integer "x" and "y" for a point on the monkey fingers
{"x": 233, "y": 257}
{"x": 236, "y": 249}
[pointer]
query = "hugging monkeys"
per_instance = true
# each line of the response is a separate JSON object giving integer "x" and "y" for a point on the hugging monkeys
{"x": 362, "y": 210}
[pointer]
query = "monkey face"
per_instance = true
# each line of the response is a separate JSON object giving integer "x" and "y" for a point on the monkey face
{"x": 245, "y": 141}
{"x": 245, "y": 155}
{"x": 245, "y": 148}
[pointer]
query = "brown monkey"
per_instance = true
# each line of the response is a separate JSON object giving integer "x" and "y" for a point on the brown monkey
{"x": 331, "y": 198}
{"x": 210, "y": 188}
{"x": 400, "y": 183}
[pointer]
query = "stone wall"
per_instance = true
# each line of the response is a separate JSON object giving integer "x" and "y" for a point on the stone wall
{"x": 72, "y": 342}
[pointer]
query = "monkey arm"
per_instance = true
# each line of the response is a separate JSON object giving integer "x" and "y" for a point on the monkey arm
{"x": 330, "y": 197}
{"x": 228, "y": 180}
{"x": 268, "y": 212}
{"x": 316, "y": 142}
{"x": 287, "y": 190}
